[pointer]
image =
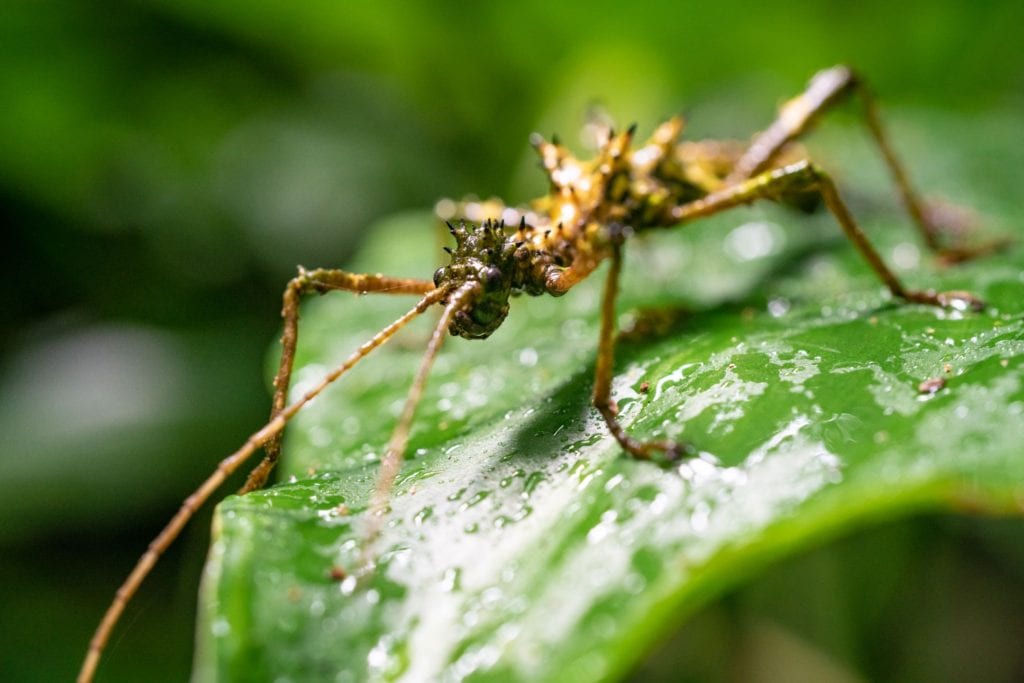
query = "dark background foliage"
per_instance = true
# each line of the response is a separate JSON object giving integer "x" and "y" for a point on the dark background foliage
{"x": 165, "y": 165}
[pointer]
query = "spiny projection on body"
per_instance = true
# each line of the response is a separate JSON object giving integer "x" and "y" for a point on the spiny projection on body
{"x": 547, "y": 247}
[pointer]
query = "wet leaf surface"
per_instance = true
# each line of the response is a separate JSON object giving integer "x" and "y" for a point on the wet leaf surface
{"x": 522, "y": 545}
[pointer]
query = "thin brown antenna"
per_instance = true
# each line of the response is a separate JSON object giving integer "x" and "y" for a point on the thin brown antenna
{"x": 391, "y": 463}
{"x": 226, "y": 468}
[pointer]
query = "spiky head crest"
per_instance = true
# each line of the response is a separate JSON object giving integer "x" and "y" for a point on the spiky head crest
{"x": 486, "y": 256}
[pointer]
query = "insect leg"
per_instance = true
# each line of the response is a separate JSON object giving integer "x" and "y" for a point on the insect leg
{"x": 226, "y": 468}
{"x": 320, "y": 280}
{"x": 391, "y": 463}
{"x": 797, "y": 116}
{"x": 804, "y": 176}
{"x": 642, "y": 450}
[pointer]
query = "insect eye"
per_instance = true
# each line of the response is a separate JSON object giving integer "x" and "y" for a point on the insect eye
{"x": 493, "y": 275}
{"x": 439, "y": 276}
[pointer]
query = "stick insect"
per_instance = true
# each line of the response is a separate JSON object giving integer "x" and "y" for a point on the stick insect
{"x": 547, "y": 247}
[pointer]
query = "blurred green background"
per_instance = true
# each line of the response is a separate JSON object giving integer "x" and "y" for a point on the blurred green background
{"x": 165, "y": 165}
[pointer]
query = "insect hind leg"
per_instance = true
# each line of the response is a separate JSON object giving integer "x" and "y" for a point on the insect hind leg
{"x": 321, "y": 281}
{"x": 797, "y": 116}
{"x": 805, "y": 176}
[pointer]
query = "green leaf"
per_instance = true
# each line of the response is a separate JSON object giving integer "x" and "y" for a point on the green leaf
{"x": 522, "y": 544}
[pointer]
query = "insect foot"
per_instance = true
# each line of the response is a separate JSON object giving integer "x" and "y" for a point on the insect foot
{"x": 957, "y": 300}
{"x": 663, "y": 451}
{"x": 674, "y": 451}
{"x": 951, "y": 256}
{"x": 948, "y": 231}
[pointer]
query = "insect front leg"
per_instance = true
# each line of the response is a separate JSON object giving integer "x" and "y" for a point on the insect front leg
{"x": 321, "y": 280}
{"x": 642, "y": 450}
{"x": 805, "y": 176}
{"x": 797, "y": 116}
{"x": 227, "y": 467}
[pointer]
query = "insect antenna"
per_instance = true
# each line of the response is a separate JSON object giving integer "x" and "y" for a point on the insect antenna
{"x": 230, "y": 464}
{"x": 391, "y": 463}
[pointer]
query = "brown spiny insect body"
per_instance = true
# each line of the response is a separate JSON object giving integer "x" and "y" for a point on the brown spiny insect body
{"x": 550, "y": 246}
{"x": 593, "y": 204}
{"x": 592, "y": 207}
